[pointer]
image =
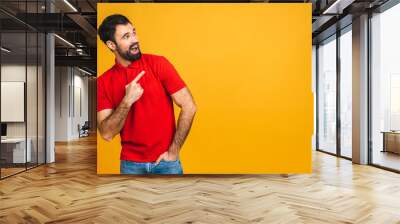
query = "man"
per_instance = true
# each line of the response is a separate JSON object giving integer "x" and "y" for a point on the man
{"x": 135, "y": 99}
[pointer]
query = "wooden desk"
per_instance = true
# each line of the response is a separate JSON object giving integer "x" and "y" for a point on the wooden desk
{"x": 391, "y": 141}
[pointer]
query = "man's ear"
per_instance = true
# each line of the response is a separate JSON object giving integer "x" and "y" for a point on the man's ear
{"x": 111, "y": 45}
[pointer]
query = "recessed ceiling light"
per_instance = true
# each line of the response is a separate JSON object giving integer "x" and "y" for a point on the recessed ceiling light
{"x": 338, "y": 6}
{"x": 5, "y": 50}
{"x": 64, "y": 40}
{"x": 70, "y": 5}
{"x": 84, "y": 71}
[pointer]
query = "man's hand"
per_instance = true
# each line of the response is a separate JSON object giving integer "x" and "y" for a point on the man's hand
{"x": 133, "y": 91}
{"x": 184, "y": 100}
{"x": 167, "y": 156}
{"x": 110, "y": 122}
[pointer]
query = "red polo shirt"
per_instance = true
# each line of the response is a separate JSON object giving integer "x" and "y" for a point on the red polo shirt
{"x": 150, "y": 124}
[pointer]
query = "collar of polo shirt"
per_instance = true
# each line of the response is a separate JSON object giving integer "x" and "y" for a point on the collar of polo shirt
{"x": 134, "y": 64}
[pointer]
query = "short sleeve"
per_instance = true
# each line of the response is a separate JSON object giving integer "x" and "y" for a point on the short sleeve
{"x": 103, "y": 100}
{"x": 169, "y": 77}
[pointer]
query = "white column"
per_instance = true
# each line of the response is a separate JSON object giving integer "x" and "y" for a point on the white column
{"x": 50, "y": 93}
{"x": 360, "y": 89}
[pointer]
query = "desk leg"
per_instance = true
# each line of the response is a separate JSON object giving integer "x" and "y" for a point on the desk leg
{"x": 384, "y": 142}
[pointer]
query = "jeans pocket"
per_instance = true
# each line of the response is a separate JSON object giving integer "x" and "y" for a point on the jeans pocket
{"x": 168, "y": 167}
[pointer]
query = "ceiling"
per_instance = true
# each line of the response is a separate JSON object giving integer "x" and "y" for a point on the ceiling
{"x": 72, "y": 20}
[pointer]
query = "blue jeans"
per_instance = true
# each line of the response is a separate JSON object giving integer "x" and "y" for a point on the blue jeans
{"x": 164, "y": 167}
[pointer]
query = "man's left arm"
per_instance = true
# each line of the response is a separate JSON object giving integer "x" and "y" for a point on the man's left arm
{"x": 183, "y": 98}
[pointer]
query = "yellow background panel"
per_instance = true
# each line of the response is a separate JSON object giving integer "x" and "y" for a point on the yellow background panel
{"x": 248, "y": 67}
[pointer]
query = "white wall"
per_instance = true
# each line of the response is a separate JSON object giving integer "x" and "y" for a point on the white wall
{"x": 80, "y": 84}
{"x": 61, "y": 103}
{"x": 70, "y": 83}
{"x": 12, "y": 73}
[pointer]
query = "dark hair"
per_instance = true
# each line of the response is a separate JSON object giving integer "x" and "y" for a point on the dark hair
{"x": 107, "y": 28}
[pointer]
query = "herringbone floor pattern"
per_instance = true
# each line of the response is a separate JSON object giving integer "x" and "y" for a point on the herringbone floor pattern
{"x": 70, "y": 191}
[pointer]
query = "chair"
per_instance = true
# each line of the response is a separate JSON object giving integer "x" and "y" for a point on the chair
{"x": 84, "y": 130}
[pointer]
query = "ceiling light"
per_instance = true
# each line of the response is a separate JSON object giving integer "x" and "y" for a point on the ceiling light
{"x": 5, "y": 49}
{"x": 338, "y": 6}
{"x": 70, "y": 5}
{"x": 84, "y": 71}
{"x": 64, "y": 40}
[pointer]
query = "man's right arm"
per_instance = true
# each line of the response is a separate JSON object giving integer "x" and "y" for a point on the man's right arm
{"x": 109, "y": 121}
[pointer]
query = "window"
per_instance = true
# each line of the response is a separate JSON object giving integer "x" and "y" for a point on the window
{"x": 346, "y": 93}
{"x": 327, "y": 95}
{"x": 385, "y": 88}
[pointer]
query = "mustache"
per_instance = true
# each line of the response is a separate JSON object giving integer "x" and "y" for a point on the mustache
{"x": 134, "y": 45}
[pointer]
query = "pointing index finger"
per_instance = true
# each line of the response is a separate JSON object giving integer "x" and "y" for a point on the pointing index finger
{"x": 138, "y": 76}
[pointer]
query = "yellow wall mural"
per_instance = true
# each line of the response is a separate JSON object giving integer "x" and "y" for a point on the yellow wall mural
{"x": 248, "y": 66}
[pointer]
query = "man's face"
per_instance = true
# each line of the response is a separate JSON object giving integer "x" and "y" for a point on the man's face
{"x": 127, "y": 44}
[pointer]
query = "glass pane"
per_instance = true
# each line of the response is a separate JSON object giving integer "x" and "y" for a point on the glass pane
{"x": 346, "y": 94}
{"x": 31, "y": 97}
{"x": 23, "y": 86}
{"x": 327, "y": 96}
{"x": 386, "y": 88}
{"x": 314, "y": 78}
{"x": 13, "y": 84}
{"x": 41, "y": 98}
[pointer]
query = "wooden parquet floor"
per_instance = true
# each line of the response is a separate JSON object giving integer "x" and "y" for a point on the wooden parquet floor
{"x": 70, "y": 191}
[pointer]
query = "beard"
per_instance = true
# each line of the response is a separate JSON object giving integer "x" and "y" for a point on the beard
{"x": 127, "y": 55}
